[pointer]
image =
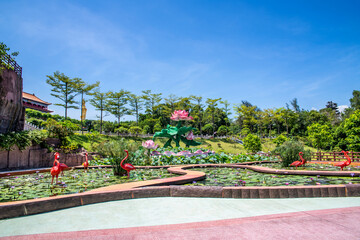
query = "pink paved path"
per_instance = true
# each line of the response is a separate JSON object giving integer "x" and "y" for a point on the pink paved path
{"x": 341, "y": 223}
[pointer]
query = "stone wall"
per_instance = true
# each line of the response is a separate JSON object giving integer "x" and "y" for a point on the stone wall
{"x": 12, "y": 112}
{"x": 35, "y": 157}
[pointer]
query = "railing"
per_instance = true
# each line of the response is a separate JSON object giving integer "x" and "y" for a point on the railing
{"x": 334, "y": 156}
{"x": 30, "y": 126}
{"x": 10, "y": 63}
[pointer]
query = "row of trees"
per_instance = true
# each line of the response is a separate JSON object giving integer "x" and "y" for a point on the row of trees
{"x": 326, "y": 128}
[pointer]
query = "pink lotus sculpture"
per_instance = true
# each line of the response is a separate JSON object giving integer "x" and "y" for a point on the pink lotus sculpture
{"x": 179, "y": 132}
{"x": 150, "y": 144}
{"x": 181, "y": 115}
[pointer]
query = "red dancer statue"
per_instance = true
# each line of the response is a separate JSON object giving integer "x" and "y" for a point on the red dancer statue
{"x": 86, "y": 163}
{"x": 127, "y": 166}
{"x": 55, "y": 170}
{"x": 345, "y": 163}
{"x": 298, "y": 163}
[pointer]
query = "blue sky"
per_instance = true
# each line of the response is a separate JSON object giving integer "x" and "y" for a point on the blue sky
{"x": 265, "y": 52}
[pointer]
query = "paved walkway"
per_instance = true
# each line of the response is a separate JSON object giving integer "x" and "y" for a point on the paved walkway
{"x": 195, "y": 218}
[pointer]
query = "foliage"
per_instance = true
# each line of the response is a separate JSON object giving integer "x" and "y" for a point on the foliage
{"x": 289, "y": 152}
{"x": 122, "y": 130}
{"x": 252, "y": 143}
{"x": 320, "y": 135}
{"x": 208, "y": 129}
{"x": 222, "y": 130}
{"x": 22, "y": 139}
{"x": 352, "y": 130}
{"x": 65, "y": 89}
{"x": 61, "y": 130}
{"x": 135, "y": 130}
{"x": 157, "y": 127}
{"x": 146, "y": 129}
{"x": 4, "y": 50}
{"x": 114, "y": 150}
{"x": 279, "y": 140}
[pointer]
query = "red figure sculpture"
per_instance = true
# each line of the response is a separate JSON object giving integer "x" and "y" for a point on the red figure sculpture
{"x": 62, "y": 166}
{"x": 55, "y": 170}
{"x": 127, "y": 166}
{"x": 86, "y": 163}
{"x": 344, "y": 163}
{"x": 298, "y": 163}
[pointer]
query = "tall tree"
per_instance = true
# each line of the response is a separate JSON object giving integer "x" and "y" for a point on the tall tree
{"x": 84, "y": 89}
{"x": 171, "y": 104}
{"x": 65, "y": 89}
{"x": 151, "y": 101}
{"x": 99, "y": 101}
{"x": 295, "y": 105}
{"x": 135, "y": 103}
{"x": 212, "y": 103}
{"x": 198, "y": 111}
{"x": 116, "y": 104}
{"x": 227, "y": 112}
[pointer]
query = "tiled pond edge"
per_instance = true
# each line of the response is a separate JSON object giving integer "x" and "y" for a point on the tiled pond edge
{"x": 142, "y": 190}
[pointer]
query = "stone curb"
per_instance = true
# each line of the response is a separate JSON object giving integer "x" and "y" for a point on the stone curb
{"x": 29, "y": 207}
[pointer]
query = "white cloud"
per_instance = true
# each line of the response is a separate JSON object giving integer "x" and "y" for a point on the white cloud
{"x": 342, "y": 108}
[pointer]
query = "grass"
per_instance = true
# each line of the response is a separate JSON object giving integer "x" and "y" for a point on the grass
{"x": 217, "y": 145}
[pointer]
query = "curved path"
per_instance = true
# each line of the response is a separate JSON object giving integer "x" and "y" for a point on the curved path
{"x": 195, "y": 218}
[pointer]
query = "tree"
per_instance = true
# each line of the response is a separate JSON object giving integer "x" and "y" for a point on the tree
{"x": 170, "y": 105}
{"x": 352, "y": 130}
{"x": 246, "y": 115}
{"x": 212, "y": 103}
{"x": 65, "y": 89}
{"x": 116, "y": 104}
{"x": 151, "y": 101}
{"x": 99, "y": 102}
{"x": 295, "y": 105}
{"x": 320, "y": 135}
{"x": 135, "y": 103}
{"x": 227, "y": 112}
{"x": 4, "y": 52}
{"x": 197, "y": 113}
{"x": 84, "y": 88}
{"x": 355, "y": 100}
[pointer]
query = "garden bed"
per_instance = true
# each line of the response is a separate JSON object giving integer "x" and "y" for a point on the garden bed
{"x": 226, "y": 177}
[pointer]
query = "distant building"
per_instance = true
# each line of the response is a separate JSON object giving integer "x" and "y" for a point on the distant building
{"x": 33, "y": 102}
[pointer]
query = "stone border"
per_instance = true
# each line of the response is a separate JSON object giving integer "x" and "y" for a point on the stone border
{"x": 146, "y": 189}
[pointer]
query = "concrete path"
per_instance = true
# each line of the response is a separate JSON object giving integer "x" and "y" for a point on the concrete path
{"x": 195, "y": 218}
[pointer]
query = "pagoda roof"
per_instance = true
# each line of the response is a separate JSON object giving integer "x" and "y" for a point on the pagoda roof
{"x": 34, "y": 98}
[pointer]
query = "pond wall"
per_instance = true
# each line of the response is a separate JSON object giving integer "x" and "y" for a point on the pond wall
{"x": 36, "y": 157}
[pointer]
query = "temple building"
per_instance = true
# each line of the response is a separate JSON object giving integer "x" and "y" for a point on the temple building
{"x": 33, "y": 102}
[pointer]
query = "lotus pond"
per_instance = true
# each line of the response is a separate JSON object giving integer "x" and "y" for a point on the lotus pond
{"x": 37, "y": 185}
{"x": 243, "y": 177}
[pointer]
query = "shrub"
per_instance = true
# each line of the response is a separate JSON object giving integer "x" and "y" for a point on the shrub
{"x": 252, "y": 143}
{"x": 146, "y": 129}
{"x": 245, "y": 131}
{"x": 279, "y": 140}
{"x": 208, "y": 129}
{"x": 122, "y": 130}
{"x": 114, "y": 150}
{"x": 222, "y": 130}
{"x": 157, "y": 127}
{"x": 135, "y": 130}
{"x": 289, "y": 152}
